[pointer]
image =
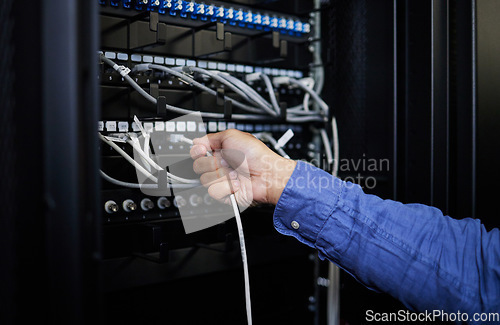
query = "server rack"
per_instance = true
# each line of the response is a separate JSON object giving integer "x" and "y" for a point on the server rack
{"x": 435, "y": 122}
{"x": 198, "y": 267}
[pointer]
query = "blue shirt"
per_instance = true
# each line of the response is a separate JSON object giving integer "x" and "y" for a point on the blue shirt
{"x": 411, "y": 251}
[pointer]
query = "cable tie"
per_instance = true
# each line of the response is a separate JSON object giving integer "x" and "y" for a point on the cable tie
{"x": 175, "y": 138}
{"x": 284, "y": 139}
{"x": 142, "y": 67}
{"x": 187, "y": 70}
{"x": 114, "y": 139}
{"x": 133, "y": 138}
{"x": 139, "y": 125}
{"x": 253, "y": 77}
{"x": 277, "y": 81}
{"x": 123, "y": 70}
{"x": 308, "y": 82}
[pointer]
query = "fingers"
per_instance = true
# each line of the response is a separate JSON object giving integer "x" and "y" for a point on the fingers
{"x": 220, "y": 175}
{"x": 221, "y": 190}
{"x": 208, "y": 164}
{"x": 198, "y": 151}
{"x": 214, "y": 141}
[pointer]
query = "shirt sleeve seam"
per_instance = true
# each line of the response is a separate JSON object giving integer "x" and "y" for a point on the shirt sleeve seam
{"x": 330, "y": 213}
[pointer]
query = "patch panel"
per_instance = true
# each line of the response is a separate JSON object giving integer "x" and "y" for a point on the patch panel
{"x": 243, "y": 18}
{"x": 126, "y": 206}
{"x": 210, "y": 65}
{"x": 191, "y": 126}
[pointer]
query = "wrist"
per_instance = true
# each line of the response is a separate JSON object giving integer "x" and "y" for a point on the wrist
{"x": 282, "y": 171}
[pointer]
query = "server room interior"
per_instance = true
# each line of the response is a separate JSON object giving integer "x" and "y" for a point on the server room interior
{"x": 413, "y": 83}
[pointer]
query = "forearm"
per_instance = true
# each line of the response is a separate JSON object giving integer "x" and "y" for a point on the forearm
{"x": 413, "y": 252}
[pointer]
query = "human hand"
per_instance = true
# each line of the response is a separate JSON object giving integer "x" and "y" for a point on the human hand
{"x": 242, "y": 165}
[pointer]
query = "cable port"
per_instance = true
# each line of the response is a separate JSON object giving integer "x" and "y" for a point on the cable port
{"x": 163, "y": 203}
{"x": 208, "y": 199}
{"x": 179, "y": 202}
{"x": 147, "y": 204}
{"x": 129, "y": 205}
{"x": 195, "y": 200}
{"x": 111, "y": 207}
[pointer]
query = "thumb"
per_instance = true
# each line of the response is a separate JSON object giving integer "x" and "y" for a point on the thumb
{"x": 212, "y": 141}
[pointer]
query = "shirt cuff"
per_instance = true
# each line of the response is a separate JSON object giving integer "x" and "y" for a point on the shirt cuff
{"x": 309, "y": 198}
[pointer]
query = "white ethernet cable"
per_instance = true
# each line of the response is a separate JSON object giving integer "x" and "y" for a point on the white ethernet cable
{"x": 177, "y": 138}
{"x": 313, "y": 94}
{"x": 215, "y": 76}
{"x": 128, "y": 158}
{"x": 270, "y": 90}
{"x": 248, "y": 300}
{"x": 186, "y": 77}
{"x": 251, "y": 92}
{"x": 170, "y": 177}
{"x": 153, "y": 100}
{"x": 183, "y": 183}
{"x": 310, "y": 84}
{"x": 332, "y": 158}
{"x": 269, "y": 86}
{"x": 142, "y": 186}
{"x": 275, "y": 143}
{"x": 145, "y": 134}
{"x": 327, "y": 145}
{"x": 124, "y": 73}
{"x": 134, "y": 142}
{"x": 190, "y": 81}
{"x": 292, "y": 81}
{"x": 239, "y": 224}
{"x": 335, "y": 134}
{"x": 180, "y": 138}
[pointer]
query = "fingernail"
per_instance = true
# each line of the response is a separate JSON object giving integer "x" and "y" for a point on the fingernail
{"x": 223, "y": 163}
{"x": 233, "y": 175}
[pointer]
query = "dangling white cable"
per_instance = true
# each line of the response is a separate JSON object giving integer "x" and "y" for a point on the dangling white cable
{"x": 307, "y": 96}
{"x": 335, "y": 134}
{"x": 241, "y": 236}
{"x": 239, "y": 224}
{"x": 328, "y": 147}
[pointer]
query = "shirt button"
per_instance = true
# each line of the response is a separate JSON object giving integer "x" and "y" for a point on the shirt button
{"x": 295, "y": 225}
